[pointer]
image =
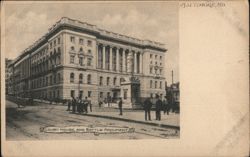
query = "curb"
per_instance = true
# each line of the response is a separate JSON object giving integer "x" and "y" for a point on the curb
{"x": 135, "y": 121}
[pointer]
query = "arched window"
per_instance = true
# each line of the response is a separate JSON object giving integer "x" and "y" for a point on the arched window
{"x": 72, "y": 77}
{"x": 89, "y": 79}
{"x": 101, "y": 81}
{"x": 108, "y": 78}
{"x": 80, "y": 78}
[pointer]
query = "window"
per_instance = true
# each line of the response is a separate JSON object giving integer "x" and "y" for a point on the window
{"x": 114, "y": 82}
{"x": 58, "y": 40}
{"x": 108, "y": 81}
{"x": 101, "y": 94}
{"x": 72, "y": 77}
{"x": 81, "y": 61}
{"x": 160, "y": 57}
{"x": 160, "y": 85}
{"x": 50, "y": 45}
{"x": 72, "y": 48}
{"x": 151, "y": 70}
{"x": 50, "y": 80}
{"x": 89, "y": 79}
{"x": 121, "y": 80}
{"x": 160, "y": 71}
{"x": 72, "y": 39}
{"x": 59, "y": 77}
{"x": 89, "y": 93}
{"x": 54, "y": 79}
{"x": 89, "y": 62}
{"x": 89, "y": 52}
{"x": 59, "y": 50}
{"x": 101, "y": 81}
{"x": 89, "y": 43}
{"x": 80, "y": 94}
{"x": 72, "y": 59}
{"x": 155, "y": 56}
{"x": 151, "y": 84}
{"x": 155, "y": 63}
{"x": 151, "y": 55}
{"x": 155, "y": 84}
{"x": 72, "y": 93}
{"x": 80, "y": 50}
{"x": 80, "y": 78}
{"x": 125, "y": 94}
{"x": 81, "y": 41}
{"x": 47, "y": 81}
{"x": 54, "y": 42}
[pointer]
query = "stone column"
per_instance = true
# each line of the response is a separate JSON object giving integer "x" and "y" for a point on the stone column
{"x": 97, "y": 56}
{"x": 141, "y": 63}
{"x": 103, "y": 57}
{"x": 111, "y": 58}
{"x": 123, "y": 60}
{"x": 135, "y": 62}
{"x": 130, "y": 62}
{"x": 117, "y": 60}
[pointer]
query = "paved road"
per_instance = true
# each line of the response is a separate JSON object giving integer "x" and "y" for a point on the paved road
{"x": 26, "y": 123}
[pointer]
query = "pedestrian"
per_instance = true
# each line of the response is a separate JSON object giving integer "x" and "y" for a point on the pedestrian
{"x": 69, "y": 104}
{"x": 120, "y": 106}
{"x": 81, "y": 105}
{"x": 165, "y": 104}
{"x": 147, "y": 108}
{"x": 73, "y": 103}
{"x": 86, "y": 105}
{"x": 158, "y": 107}
{"x": 100, "y": 104}
{"x": 90, "y": 105}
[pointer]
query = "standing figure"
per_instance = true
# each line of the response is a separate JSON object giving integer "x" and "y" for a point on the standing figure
{"x": 86, "y": 104}
{"x": 90, "y": 105}
{"x": 73, "y": 102}
{"x": 165, "y": 104}
{"x": 158, "y": 107}
{"x": 120, "y": 106}
{"x": 147, "y": 108}
{"x": 69, "y": 104}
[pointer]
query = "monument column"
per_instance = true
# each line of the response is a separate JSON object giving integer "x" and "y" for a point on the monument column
{"x": 135, "y": 62}
{"x": 117, "y": 59}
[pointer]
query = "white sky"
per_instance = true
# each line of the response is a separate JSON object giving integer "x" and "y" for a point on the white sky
{"x": 27, "y": 22}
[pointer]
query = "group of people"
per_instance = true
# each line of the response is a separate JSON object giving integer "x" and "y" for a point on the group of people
{"x": 79, "y": 105}
{"x": 159, "y": 106}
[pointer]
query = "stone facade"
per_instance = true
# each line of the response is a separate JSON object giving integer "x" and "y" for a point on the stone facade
{"x": 76, "y": 58}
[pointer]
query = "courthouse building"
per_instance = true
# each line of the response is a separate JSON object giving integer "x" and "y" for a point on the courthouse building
{"x": 80, "y": 59}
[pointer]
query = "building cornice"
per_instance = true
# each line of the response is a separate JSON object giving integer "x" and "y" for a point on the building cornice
{"x": 78, "y": 26}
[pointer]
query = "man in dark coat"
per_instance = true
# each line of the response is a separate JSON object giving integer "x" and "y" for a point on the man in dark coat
{"x": 73, "y": 104}
{"x": 69, "y": 104}
{"x": 86, "y": 104}
{"x": 158, "y": 107}
{"x": 120, "y": 106}
{"x": 147, "y": 109}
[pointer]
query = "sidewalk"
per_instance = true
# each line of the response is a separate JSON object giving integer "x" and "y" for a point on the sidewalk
{"x": 167, "y": 121}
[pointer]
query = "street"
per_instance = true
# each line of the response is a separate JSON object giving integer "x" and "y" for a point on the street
{"x": 25, "y": 123}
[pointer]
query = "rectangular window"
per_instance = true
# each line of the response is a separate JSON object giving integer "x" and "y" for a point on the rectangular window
{"x": 125, "y": 94}
{"x": 101, "y": 94}
{"x": 72, "y": 59}
{"x": 89, "y": 43}
{"x": 89, "y": 61}
{"x": 108, "y": 81}
{"x": 155, "y": 84}
{"x": 101, "y": 81}
{"x": 80, "y": 94}
{"x": 89, "y": 93}
{"x": 58, "y": 40}
{"x": 151, "y": 55}
{"x": 72, "y": 93}
{"x": 81, "y": 41}
{"x": 151, "y": 70}
{"x": 81, "y": 61}
{"x": 160, "y": 57}
{"x": 160, "y": 84}
{"x": 72, "y": 39}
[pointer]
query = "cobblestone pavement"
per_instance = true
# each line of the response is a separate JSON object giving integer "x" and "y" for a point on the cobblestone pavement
{"x": 25, "y": 123}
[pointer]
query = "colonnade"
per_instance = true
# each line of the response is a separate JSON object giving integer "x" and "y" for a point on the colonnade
{"x": 119, "y": 59}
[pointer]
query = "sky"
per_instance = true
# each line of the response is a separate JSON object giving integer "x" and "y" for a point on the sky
{"x": 25, "y": 22}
